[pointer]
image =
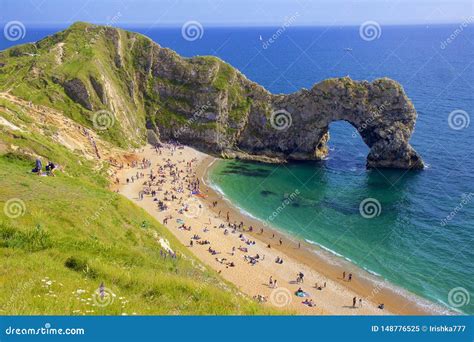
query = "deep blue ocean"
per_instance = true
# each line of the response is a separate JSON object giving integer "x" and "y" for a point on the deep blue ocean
{"x": 422, "y": 238}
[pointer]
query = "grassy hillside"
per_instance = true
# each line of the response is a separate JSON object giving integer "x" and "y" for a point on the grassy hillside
{"x": 88, "y": 68}
{"x": 38, "y": 71}
{"x": 61, "y": 237}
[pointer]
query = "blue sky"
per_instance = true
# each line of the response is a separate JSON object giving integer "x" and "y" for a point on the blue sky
{"x": 236, "y": 12}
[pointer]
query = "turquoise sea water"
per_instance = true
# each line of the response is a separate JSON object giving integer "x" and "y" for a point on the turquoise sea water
{"x": 407, "y": 243}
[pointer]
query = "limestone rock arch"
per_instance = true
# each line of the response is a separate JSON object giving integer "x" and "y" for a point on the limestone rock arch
{"x": 380, "y": 111}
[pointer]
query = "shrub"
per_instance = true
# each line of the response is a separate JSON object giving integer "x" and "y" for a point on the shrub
{"x": 80, "y": 265}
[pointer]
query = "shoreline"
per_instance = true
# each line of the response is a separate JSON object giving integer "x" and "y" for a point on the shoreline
{"x": 321, "y": 258}
{"x": 203, "y": 220}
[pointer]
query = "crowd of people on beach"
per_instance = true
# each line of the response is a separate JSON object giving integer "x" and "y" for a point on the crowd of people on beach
{"x": 174, "y": 181}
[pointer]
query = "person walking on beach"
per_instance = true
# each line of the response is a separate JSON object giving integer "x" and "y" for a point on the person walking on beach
{"x": 300, "y": 278}
{"x": 270, "y": 282}
{"x": 354, "y": 302}
{"x": 350, "y": 276}
{"x": 360, "y": 302}
{"x": 281, "y": 242}
{"x": 344, "y": 275}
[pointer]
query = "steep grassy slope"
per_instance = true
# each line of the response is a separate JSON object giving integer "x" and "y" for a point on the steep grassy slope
{"x": 47, "y": 71}
{"x": 89, "y": 68}
{"x": 61, "y": 237}
{"x": 72, "y": 233}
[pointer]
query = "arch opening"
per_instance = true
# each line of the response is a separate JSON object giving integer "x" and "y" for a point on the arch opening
{"x": 346, "y": 147}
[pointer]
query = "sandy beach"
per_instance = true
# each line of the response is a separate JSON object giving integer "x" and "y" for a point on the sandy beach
{"x": 248, "y": 258}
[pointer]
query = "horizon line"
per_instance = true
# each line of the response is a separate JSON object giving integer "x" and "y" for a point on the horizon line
{"x": 220, "y": 25}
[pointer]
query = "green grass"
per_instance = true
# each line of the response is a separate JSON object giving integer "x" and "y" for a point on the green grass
{"x": 224, "y": 76}
{"x": 86, "y": 52}
{"x": 31, "y": 72}
{"x": 72, "y": 234}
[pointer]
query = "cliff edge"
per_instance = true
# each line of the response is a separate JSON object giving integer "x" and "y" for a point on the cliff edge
{"x": 129, "y": 89}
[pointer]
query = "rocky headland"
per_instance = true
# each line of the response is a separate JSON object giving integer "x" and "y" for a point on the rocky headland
{"x": 143, "y": 91}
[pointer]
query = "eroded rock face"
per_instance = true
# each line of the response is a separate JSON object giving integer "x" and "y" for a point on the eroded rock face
{"x": 206, "y": 103}
{"x": 77, "y": 91}
{"x": 284, "y": 127}
{"x": 298, "y": 129}
{"x": 99, "y": 89}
